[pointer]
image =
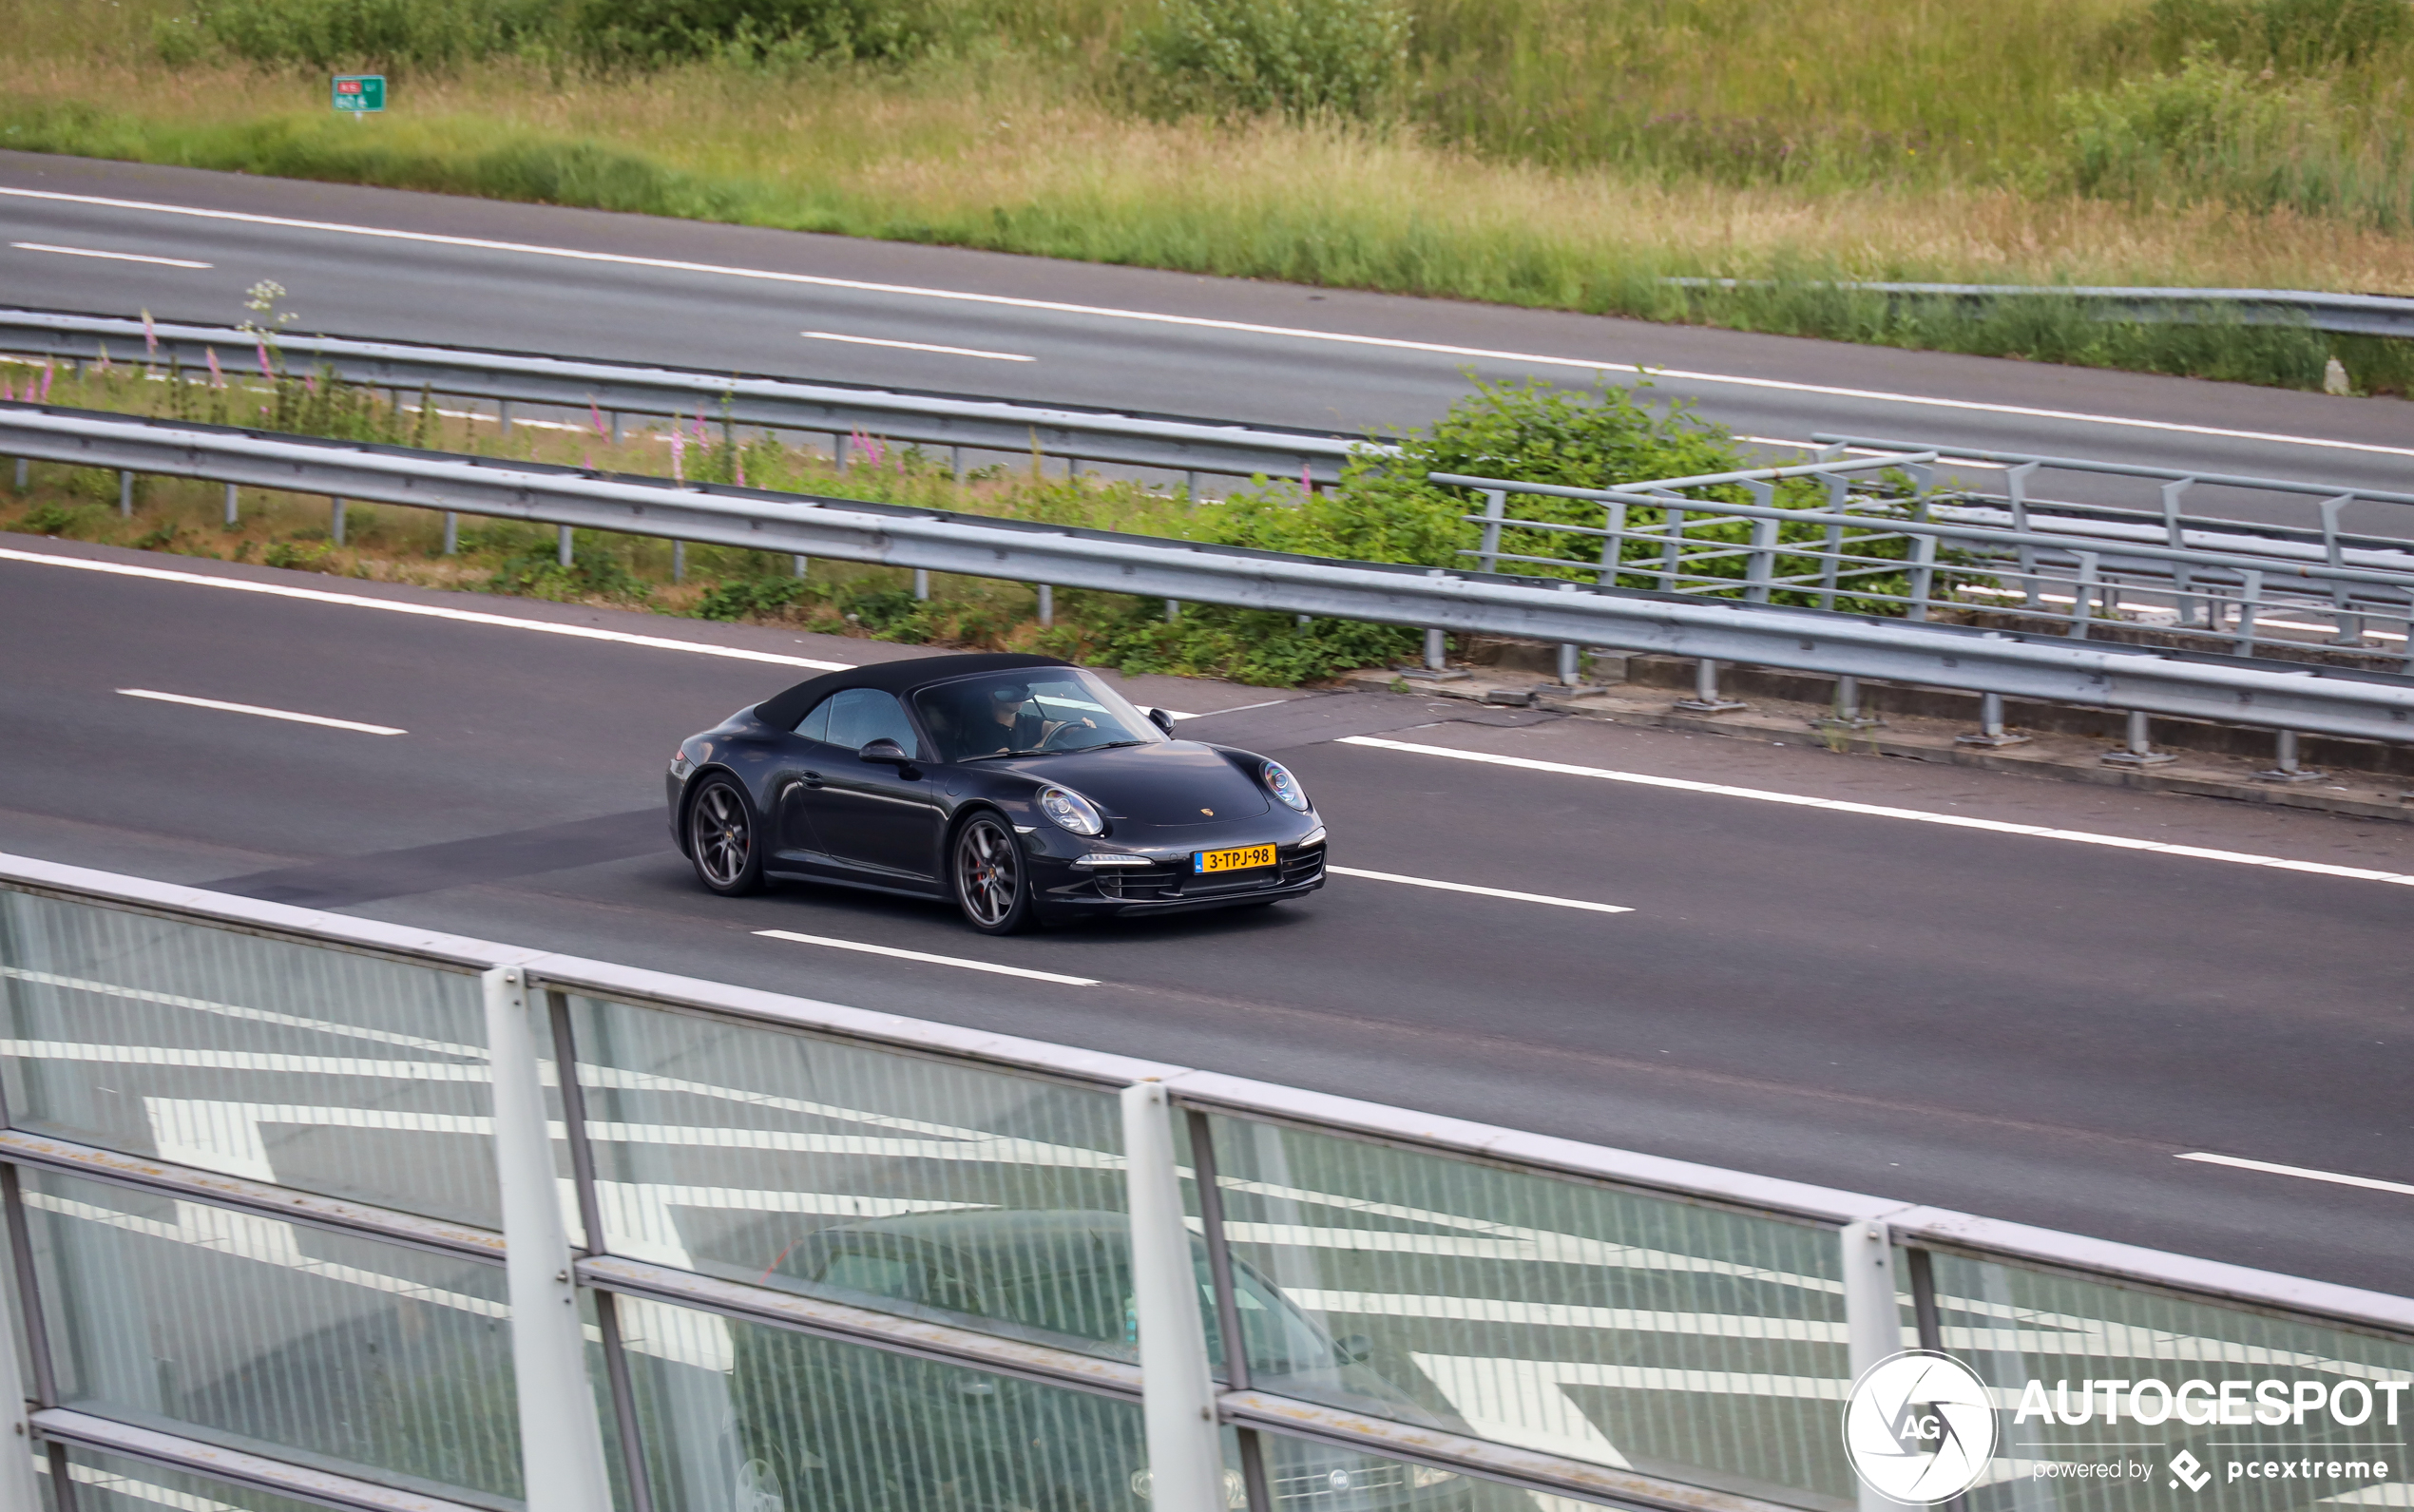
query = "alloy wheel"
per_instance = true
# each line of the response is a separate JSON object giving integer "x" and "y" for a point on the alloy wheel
{"x": 724, "y": 837}
{"x": 989, "y": 874}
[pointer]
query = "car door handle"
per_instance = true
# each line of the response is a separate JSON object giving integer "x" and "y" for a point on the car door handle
{"x": 813, "y": 779}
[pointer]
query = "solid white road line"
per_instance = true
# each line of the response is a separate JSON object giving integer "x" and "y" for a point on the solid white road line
{"x": 279, "y": 590}
{"x": 1200, "y": 322}
{"x": 1488, "y": 893}
{"x": 2374, "y": 1183}
{"x": 113, "y": 257}
{"x": 265, "y": 714}
{"x": 917, "y": 346}
{"x": 924, "y": 955}
{"x": 1879, "y": 811}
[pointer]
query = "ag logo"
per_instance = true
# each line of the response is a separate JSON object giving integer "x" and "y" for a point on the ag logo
{"x": 1919, "y": 1428}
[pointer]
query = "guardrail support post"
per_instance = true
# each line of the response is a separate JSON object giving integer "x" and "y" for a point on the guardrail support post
{"x": 679, "y": 561}
{"x": 921, "y": 584}
{"x": 25, "y": 474}
{"x": 1190, "y": 485}
{"x": 233, "y": 507}
{"x": 955, "y": 463}
{"x": 803, "y": 563}
{"x": 1436, "y": 659}
{"x": 503, "y": 415}
{"x": 1846, "y": 714}
{"x": 561, "y": 544}
{"x": 1173, "y": 610}
{"x": 336, "y": 520}
{"x": 2138, "y": 750}
{"x": 1872, "y": 1314}
{"x": 1178, "y": 1398}
{"x": 1047, "y": 605}
{"x": 2287, "y": 768}
{"x": 1706, "y": 698}
{"x": 125, "y": 495}
{"x": 838, "y": 451}
{"x": 561, "y": 1443}
{"x": 615, "y": 423}
{"x": 1990, "y": 725}
{"x": 452, "y": 533}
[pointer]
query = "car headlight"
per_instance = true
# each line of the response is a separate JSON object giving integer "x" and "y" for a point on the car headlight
{"x": 1070, "y": 811}
{"x": 1283, "y": 785}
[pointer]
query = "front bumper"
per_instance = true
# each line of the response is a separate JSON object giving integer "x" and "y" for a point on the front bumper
{"x": 1170, "y": 886}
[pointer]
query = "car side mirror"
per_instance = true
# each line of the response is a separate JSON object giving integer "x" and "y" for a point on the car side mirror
{"x": 1162, "y": 720}
{"x": 1356, "y": 1348}
{"x": 886, "y": 753}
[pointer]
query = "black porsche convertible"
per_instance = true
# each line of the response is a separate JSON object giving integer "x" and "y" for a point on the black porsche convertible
{"x": 1021, "y": 787}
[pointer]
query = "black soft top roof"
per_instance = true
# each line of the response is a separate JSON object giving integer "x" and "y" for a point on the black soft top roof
{"x": 783, "y": 711}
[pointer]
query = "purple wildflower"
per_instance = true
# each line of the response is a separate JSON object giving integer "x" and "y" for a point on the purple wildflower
{"x": 150, "y": 337}
{"x": 217, "y": 377}
{"x": 678, "y": 456}
{"x": 597, "y": 415}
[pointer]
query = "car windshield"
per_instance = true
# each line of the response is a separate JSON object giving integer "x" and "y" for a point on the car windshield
{"x": 1028, "y": 711}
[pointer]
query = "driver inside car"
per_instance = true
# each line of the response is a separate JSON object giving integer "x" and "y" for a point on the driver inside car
{"x": 1018, "y": 724}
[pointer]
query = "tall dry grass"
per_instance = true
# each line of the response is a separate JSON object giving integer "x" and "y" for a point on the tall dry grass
{"x": 1920, "y": 140}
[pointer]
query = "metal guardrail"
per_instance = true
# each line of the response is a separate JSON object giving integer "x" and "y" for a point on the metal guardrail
{"x": 2368, "y": 315}
{"x": 210, "y": 1014}
{"x": 957, "y": 422}
{"x": 2275, "y": 695}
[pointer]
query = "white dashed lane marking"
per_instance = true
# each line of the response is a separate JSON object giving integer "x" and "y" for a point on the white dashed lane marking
{"x": 265, "y": 714}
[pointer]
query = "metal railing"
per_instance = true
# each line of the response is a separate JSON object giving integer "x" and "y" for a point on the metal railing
{"x": 2275, "y": 694}
{"x": 1901, "y": 542}
{"x": 382, "y": 1218}
{"x": 609, "y": 390}
{"x": 2352, "y": 313}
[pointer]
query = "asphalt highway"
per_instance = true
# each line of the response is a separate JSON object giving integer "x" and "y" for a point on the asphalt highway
{"x": 2020, "y": 1022}
{"x": 186, "y": 244}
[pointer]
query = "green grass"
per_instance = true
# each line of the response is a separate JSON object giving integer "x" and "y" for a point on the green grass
{"x": 1564, "y": 154}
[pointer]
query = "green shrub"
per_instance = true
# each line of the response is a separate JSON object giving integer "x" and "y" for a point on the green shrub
{"x": 50, "y": 518}
{"x": 648, "y": 32}
{"x": 1385, "y": 510}
{"x": 396, "y": 34}
{"x": 595, "y": 572}
{"x": 750, "y": 598}
{"x": 2215, "y": 130}
{"x": 1294, "y": 56}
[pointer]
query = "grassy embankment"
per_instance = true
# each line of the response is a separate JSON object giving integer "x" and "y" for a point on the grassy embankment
{"x": 1556, "y": 153}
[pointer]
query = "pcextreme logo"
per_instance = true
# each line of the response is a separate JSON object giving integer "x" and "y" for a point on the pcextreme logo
{"x": 1919, "y": 1428}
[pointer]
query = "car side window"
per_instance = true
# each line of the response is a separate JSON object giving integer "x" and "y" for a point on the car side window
{"x": 815, "y": 726}
{"x": 861, "y": 715}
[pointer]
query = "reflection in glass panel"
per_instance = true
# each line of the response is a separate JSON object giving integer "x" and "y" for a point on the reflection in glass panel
{"x": 307, "y": 1066}
{"x": 374, "y": 1360}
{"x": 741, "y": 1417}
{"x": 111, "y": 1483}
{"x": 2012, "y": 1325}
{"x": 883, "y": 1180}
{"x": 1305, "y": 1476}
{"x": 1682, "y": 1341}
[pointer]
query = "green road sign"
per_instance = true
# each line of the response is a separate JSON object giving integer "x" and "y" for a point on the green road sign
{"x": 360, "y": 91}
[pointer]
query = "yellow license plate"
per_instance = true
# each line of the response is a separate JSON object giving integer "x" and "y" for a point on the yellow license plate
{"x": 1240, "y": 860}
